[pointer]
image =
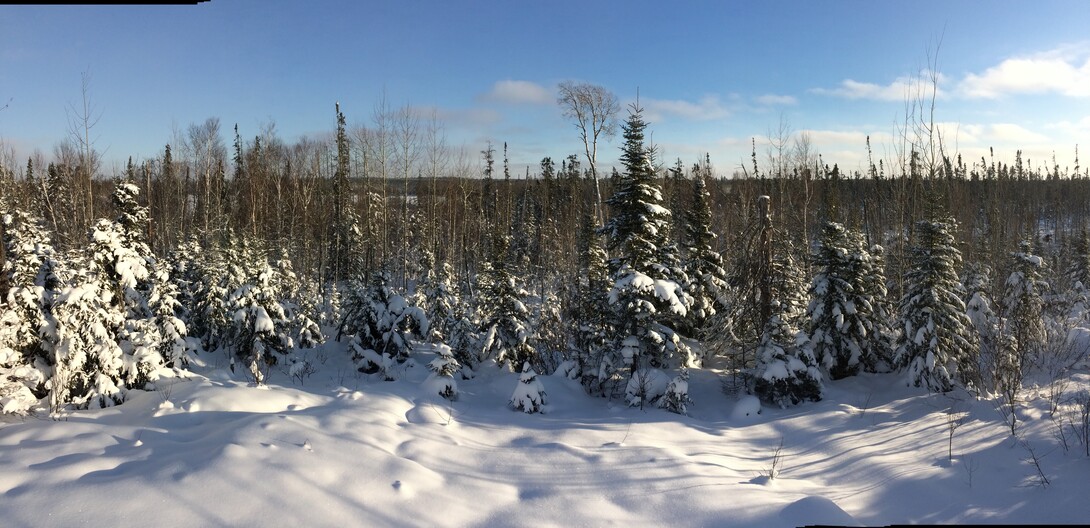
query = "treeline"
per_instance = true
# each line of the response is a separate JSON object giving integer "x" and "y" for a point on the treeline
{"x": 385, "y": 235}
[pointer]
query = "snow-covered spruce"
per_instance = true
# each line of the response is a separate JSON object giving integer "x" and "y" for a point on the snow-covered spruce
{"x": 647, "y": 299}
{"x": 676, "y": 399}
{"x": 786, "y": 372}
{"x": 260, "y": 333}
{"x": 938, "y": 345}
{"x": 529, "y": 395}
{"x": 978, "y": 307}
{"x": 645, "y": 387}
{"x": 1078, "y": 276}
{"x": 298, "y": 301}
{"x": 589, "y": 315}
{"x": 707, "y": 280}
{"x": 1022, "y": 337}
{"x": 439, "y": 290}
{"x": 105, "y": 330}
{"x": 441, "y": 381}
{"x": 1023, "y": 304}
{"x": 88, "y": 364}
{"x": 505, "y": 319}
{"x": 29, "y": 271}
{"x": 381, "y": 324}
{"x": 843, "y": 322}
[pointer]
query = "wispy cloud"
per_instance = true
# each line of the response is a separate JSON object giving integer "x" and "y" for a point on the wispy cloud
{"x": 1064, "y": 71}
{"x": 904, "y": 87}
{"x": 708, "y": 108}
{"x": 1012, "y": 134}
{"x": 519, "y": 92}
{"x": 776, "y": 100}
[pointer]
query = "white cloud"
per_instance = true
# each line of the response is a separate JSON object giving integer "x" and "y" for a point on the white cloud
{"x": 1080, "y": 127}
{"x": 1064, "y": 71}
{"x": 1013, "y": 134}
{"x": 707, "y": 108}
{"x": 519, "y": 92}
{"x": 776, "y": 100}
{"x": 902, "y": 88}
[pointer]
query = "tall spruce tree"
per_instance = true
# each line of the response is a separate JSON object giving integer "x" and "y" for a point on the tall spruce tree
{"x": 589, "y": 312}
{"x": 707, "y": 282}
{"x": 648, "y": 301}
{"x": 938, "y": 345}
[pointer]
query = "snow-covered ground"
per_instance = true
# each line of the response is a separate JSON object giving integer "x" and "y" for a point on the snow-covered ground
{"x": 346, "y": 449}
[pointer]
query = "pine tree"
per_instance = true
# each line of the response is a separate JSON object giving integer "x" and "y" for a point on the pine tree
{"x": 647, "y": 300}
{"x": 938, "y": 345}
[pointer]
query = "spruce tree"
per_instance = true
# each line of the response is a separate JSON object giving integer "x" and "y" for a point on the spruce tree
{"x": 443, "y": 368}
{"x": 647, "y": 300}
{"x": 88, "y": 365}
{"x": 505, "y": 320}
{"x": 786, "y": 371}
{"x": 127, "y": 270}
{"x": 979, "y": 307}
{"x": 840, "y": 312}
{"x": 676, "y": 399}
{"x": 1024, "y": 325}
{"x": 260, "y": 332}
{"x": 938, "y": 346}
{"x": 529, "y": 394}
{"x": 589, "y": 312}
{"x": 30, "y": 273}
{"x": 703, "y": 265}
{"x": 382, "y": 325}
{"x": 1078, "y": 276}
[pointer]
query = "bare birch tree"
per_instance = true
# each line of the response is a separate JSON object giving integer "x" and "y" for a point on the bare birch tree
{"x": 594, "y": 110}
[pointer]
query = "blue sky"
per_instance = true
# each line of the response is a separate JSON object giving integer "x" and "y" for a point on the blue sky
{"x": 710, "y": 75}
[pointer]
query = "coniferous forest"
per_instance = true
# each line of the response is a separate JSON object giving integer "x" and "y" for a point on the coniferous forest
{"x": 787, "y": 274}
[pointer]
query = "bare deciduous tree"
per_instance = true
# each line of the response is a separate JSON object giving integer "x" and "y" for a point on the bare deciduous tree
{"x": 594, "y": 110}
{"x": 81, "y": 120}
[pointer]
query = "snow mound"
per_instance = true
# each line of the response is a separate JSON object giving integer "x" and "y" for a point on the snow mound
{"x": 811, "y": 511}
{"x": 747, "y": 408}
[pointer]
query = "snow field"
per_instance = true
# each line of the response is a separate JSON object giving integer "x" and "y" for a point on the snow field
{"x": 346, "y": 449}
